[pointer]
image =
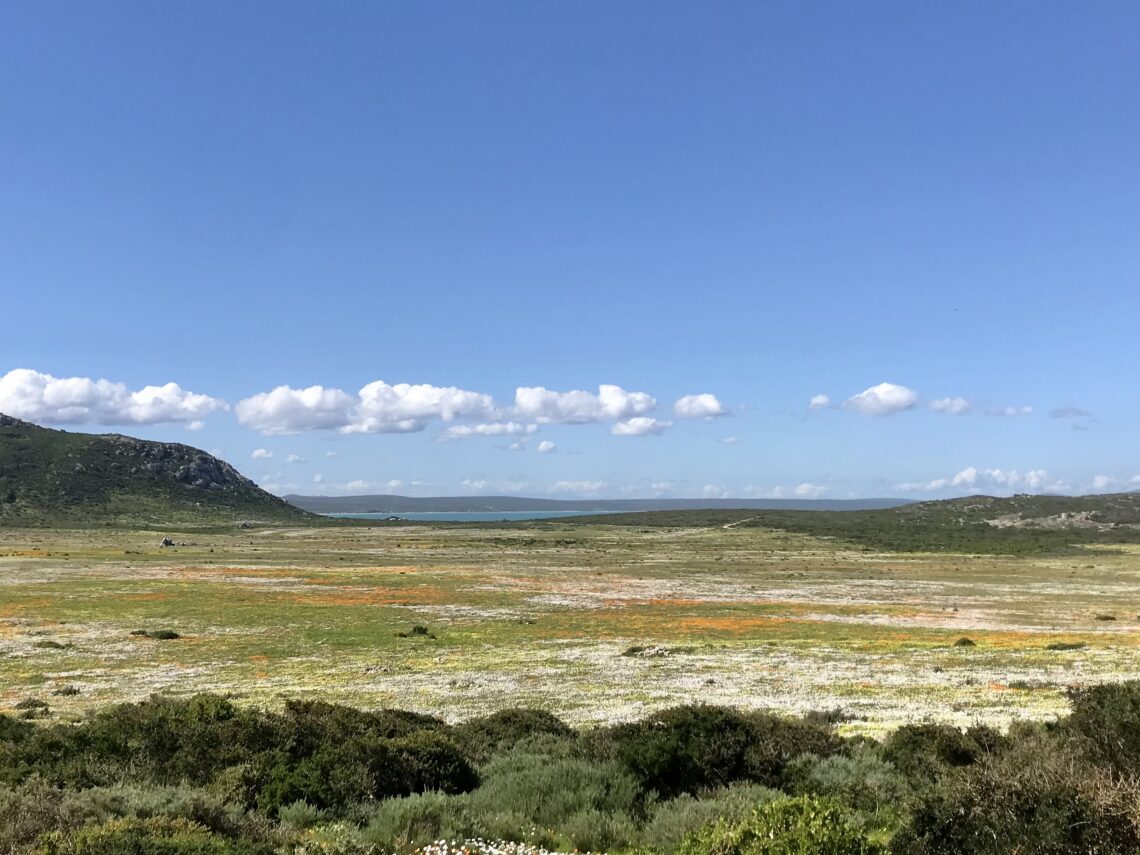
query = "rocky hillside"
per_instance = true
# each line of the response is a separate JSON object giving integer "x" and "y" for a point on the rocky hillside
{"x": 54, "y": 477}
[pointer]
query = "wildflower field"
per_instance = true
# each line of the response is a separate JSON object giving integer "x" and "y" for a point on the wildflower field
{"x": 594, "y": 623}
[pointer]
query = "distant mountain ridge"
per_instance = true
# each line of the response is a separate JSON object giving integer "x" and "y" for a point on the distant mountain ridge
{"x": 50, "y": 477}
{"x": 392, "y": 504}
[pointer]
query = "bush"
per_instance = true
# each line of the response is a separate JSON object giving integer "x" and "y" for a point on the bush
{"x": 340, "y": 774}
{"x": 158, "y": 836}
{"x": 1031, "y": 798}
{"x": 798, "y": 826}
{"x": 501, "y": 731}
{"x": 417, "y": 820}
{"x": 36, "y": 808}
{"x": 689, "y": 749}
{"x": 862, "y": 781}
{"x": 1106, "y": 722}
{"x": 672, "y": 821}
{"x": 924, "y": 751}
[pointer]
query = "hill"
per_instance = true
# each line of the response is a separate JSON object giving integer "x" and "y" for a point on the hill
{"x": 389, "y": 504}
{"x": 54, "y": 477}
{"x": 982, "y": 524}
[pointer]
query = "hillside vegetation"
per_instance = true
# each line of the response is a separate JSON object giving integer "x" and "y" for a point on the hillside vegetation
{"x": 53, "y": 477}
{"x": 204, "y": 776}
{"x": 1017, "y": 525}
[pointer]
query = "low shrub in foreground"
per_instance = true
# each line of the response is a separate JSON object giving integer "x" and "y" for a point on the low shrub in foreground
{"x": 797, "y": 826}
{"x": 689, "y": 749}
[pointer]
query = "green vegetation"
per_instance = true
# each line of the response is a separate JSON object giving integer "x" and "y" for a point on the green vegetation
{"x": 53, "y": 477}
{"x": 1021, "y": 525}
{"x": 203, "y": 775}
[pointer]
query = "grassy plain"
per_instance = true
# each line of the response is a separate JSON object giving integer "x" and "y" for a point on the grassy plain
{"x": 592, "y": 622}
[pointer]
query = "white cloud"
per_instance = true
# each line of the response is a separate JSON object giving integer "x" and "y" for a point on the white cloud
{"x": 197, "y": 424}
{"x": 1104, "y": 482}
{"x": 295, "y": 458}
{"x": 39, "y": 397}
{"x": 640, "y": 426}
{"x": 702, "y": 406}
{"x": 330, "y": 454}
{"x": 546, "y": 447}
{"x": 359, "y": 486}
{"x": 661, "y": 486}
{"x": 612, "y": 403}
{"x": 819, "y": 402}
{"x": 261, "y": 454}
{"x": 973, "y": 478}
{"x": 475, "y": 483}
{"x": 489, "y": 429}
{"x": 377, "y": 408}
{"x": 951, "y": 406}
{"x": 578, "y": 486}
{"x": 883, "y": 400}
{"x": 286, "y": 410}
{"x": 1009, "y": 411}
{"x": 406, "y": 408}
{"x": 318, "y": 478}
{"x": 810, "y": 491}
{"x": 714, "y": 491}
{"x": 730, "y": 440}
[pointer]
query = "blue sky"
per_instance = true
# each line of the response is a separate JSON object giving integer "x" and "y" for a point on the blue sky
{"x": 761, "y": 203}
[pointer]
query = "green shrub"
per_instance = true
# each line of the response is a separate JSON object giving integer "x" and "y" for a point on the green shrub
{"x": 862, "y": 781}
{"x": 675, "y": 819}
{"x": 156, "y": 836}
{"x": 403, "y": 823}
{"x": 500, "y": 731}
{"x": 1106, "y": 722}
{"x": 797, "y": 826}
{"x": 300, "y": 815}
{"x": 924, "y": 751}
{"x": 1031, "y": 798}
{"x": 693, "y": 748}
{"x": 338, "y": 775}
{"x": 36, "y": 807}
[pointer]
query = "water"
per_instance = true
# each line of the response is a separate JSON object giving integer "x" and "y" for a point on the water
{"x": 468, "y": 516}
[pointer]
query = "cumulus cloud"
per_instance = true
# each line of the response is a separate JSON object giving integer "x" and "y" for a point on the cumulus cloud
{"x": 1009, "y": 411}
{"x": 578, "y": 486}
{"x": 406, "y": 408}
{"x": 972, "y": 478}
{"x": 640, "y": 426}
{"x": 951, "y": 406}
{"x": 360, "y": 486}
{"x": 810, "y": 491}
{"x": 197, "y": 424}
{"x": 730, "y": 440}
{"x": 38, "y": 397}
{"x": 488, "y": 429}
{"x": 883, "y": 400}
{"x": 612, "y": 403}
{"x": 702, "y": 406}
{"x": 819, "y": 402}
{"x": 377, "y": 408}
{"x": 1104, "y": 482}
{"x": 330, "y": 454}
{"x": 714, "y": 491}
{"x": 546, "y": 447}
{"x": 261, "y": 454}
{"x": 295, "y": 458}
{"x": 318, "y": 478}
{"x": 285, "y": 410}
